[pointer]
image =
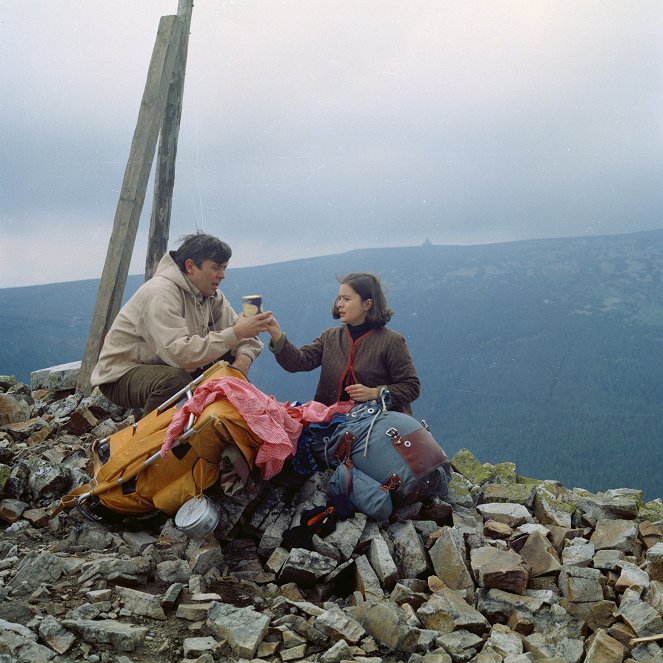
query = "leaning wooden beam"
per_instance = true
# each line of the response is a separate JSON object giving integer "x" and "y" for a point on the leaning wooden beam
{"x": 164, "y": 179}
{"x": 132, "y": 195}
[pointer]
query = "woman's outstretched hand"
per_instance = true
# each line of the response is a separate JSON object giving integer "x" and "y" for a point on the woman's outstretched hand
{"x": 359, "y": 393}
{"x": 247, "y": 327}
{"x": 274, "y": 329}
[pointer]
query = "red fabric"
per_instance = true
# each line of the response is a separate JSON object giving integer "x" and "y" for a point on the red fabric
{"x": 350, "y": 366}
{"x": 277, "y": 425}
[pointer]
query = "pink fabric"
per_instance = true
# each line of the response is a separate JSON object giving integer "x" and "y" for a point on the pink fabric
{"x": 278, "y": 425}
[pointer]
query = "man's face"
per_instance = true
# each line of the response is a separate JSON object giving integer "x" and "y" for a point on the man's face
{"x": 207, "y": 277}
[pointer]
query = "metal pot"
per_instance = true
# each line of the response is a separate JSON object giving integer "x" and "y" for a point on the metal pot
{"x": 197, "y": 517}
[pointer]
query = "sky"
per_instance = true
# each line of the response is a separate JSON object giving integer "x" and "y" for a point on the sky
{"x": 313, "y": 127}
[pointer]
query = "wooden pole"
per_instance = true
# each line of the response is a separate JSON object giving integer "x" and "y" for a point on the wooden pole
{"x": 164, "y": 179}
{"x": 132, "y": 195}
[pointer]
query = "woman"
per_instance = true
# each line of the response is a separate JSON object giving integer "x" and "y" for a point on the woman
{"x": 359, "y": 358}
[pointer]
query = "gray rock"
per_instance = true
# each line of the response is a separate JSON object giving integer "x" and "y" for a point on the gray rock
{"x": 347, "y": 534}
{"x": 55, "y": 635}
{"x": 36, "y": 568}
{"x": 498, "y": 605}
{"x": 605, "y": 649}
{"x": 366, "y": 580}
{"x": 410, "y": 554}
{"x": 304, "y": 628}
{"x": 95, "y": 537}
{"x": 276, "y": 560}
{"x": 13, "y": 408}
{"x": 306, "y": 567}
{"x": 539, "y": 556}
{"x": 647, "y": 652}
{"x": 138, "y": 541}
{"x": 338, "y": 652}
{"x": 271, "y": 539}
{"x": 654, "y": 558}
{"x": 640, "y": 616}
{"x": 511, "y": 514}
{"x": 205, "y": 555}
{"x": 578, "y": 554}
{"x": 243, "y": 628}
{"x": 504, "y": 641}
{"x": 611, "y": 505}
{"x": 551, "y": 511}
{"x": 61, "y": 409}
{"x": 124, "y": 637}
{"x": 382, "y": 562}
{"x": 545, "y": 646}
{"x": 47, "y": 480}
{"x": 388, "y": 624}
{"x": 141, "y": 603}
{"x": 617, "y": 535}
{"x": 11, "y": 510}
{"x": 101, "y": 407}
{"x": 447, "y": 611}
{"x": 450, "y": 560}
{"x": 654, "y": 596}
{"x": 19, "y": 645}
{"x": 193, "y": 612}
{"x": 110, "y": 568}
{"x": 607, "y": 560}
{"x": 90, "y": 610}
{"x": 337, "y": 625}
{"x": 501, "y": 569}
{"x": 194, "y": 647}
{"x": 56, "y": 378}
{"x": 580, "y": 584}
{"x": 631, "y": 575}
{"x": 462, "y": 645}
{"x": 173, "y": 570}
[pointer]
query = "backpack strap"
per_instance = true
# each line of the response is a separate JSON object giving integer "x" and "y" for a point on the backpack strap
{"x": 345, "y": 446}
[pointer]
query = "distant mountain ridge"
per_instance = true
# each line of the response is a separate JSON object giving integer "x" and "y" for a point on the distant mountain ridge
{"x": 545, "y": 352}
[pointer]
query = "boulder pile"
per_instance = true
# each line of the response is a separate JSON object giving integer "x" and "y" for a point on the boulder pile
{"x": 506, "y": 570}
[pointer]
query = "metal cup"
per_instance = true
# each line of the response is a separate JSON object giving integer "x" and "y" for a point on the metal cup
{"x": 251, "y": 305}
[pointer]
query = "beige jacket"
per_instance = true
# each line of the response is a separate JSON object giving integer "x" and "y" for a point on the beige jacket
{"x": 168, "y": 321}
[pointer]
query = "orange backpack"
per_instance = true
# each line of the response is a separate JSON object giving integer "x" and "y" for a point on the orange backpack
{"x": 131, "y": 478}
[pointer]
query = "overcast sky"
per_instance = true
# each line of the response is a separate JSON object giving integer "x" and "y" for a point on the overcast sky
{"x": 312, "y": 127}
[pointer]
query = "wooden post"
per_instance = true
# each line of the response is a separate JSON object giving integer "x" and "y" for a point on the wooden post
{"x": 132, "y": 195}
{"x": 164, "y": 179}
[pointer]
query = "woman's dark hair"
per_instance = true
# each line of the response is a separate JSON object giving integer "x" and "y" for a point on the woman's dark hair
{"x": 200, "y": 247}
{"x": 367, "y": 286}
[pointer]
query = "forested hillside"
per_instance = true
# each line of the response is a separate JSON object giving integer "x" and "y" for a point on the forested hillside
{"x": 546, "y": 353}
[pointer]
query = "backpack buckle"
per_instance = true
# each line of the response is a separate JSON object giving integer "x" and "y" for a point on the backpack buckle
{"x": 393, "y": 434}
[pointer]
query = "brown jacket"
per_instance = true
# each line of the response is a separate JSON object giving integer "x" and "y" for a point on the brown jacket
{"x": 381, "y": 358}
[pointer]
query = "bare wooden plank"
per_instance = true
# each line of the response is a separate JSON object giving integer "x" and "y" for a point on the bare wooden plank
{"x": 164, "y": 179}
{"x": 132, "y": 194}
{"x": 649, "y": 638}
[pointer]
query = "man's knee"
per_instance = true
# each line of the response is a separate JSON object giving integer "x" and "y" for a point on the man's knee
{"x": 166, "y": 383}
{"x": 175, "y": 378}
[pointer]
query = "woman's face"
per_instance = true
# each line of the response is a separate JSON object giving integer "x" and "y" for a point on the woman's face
{"x": 351, "y": 307}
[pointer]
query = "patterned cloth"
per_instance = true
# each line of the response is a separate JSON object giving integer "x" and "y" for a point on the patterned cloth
{"x": 277, "y": 425}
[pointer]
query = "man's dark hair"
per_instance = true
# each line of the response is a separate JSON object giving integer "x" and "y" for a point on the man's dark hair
{"x": 200, "y": 247}
{"x": 367, "y": 286}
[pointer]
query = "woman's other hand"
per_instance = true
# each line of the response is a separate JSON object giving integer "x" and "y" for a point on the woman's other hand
{"x": 359, "y": 393}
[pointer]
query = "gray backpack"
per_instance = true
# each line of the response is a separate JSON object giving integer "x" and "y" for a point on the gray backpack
{"x": 395, "y": 450}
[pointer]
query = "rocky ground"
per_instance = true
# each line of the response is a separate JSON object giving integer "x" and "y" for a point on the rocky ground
{"x": 507, "y": 570}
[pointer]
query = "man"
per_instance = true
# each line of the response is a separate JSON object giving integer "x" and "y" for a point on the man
{"x": 175, "y": 324}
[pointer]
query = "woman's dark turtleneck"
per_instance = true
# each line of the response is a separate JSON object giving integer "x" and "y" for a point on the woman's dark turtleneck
{"x": 358, "y": 330}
